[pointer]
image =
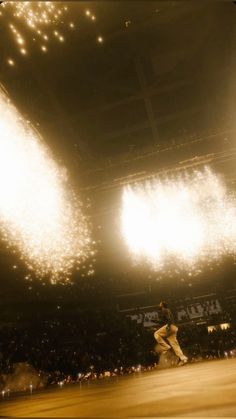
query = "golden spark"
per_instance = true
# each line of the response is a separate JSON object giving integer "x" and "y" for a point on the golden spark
{"x": 38, "y": 20}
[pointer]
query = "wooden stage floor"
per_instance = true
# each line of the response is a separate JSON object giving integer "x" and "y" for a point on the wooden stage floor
{"x": 206, "y": 389}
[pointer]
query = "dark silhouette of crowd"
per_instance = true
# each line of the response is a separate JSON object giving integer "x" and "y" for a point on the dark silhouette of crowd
{"x": 103, "y": 343}
{"x": 94, "y": 341}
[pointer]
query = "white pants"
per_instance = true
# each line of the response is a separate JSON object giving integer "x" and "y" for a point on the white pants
{"x": 171, "y": 337}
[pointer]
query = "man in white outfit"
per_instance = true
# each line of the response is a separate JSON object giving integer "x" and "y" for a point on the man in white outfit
{"x": 166, "y": 336}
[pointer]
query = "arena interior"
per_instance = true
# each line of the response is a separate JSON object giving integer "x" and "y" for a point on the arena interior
{"x": 117, "y": 192}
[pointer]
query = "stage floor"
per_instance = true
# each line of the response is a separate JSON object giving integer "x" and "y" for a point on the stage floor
{"x": 198, "y": 390}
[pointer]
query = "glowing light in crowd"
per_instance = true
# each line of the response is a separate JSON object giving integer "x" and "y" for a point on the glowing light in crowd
{"x": 39, "y": 214}
{"x": 38, "y": 21}
{"x": 187, "y": 220}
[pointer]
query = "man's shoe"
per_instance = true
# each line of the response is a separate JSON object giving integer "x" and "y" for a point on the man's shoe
{"x": 182, "y": 361}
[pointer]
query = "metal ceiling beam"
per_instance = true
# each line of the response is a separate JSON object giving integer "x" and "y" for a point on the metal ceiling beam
{"x": 147, "y": 101}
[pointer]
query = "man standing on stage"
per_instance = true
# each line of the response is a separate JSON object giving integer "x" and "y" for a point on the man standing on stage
{"x": 168, "y": 332}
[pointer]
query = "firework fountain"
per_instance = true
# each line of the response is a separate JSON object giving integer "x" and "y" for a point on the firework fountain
{"x": 40, "y": 215}
{"x": 187, "y": 219}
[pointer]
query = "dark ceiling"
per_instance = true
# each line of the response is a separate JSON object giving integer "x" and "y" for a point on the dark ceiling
{"x": 164, "y": 74}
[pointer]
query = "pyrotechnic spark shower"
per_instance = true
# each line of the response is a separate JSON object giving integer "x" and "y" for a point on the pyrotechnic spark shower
{"x": 39, "y": 213}
{"x": 38, "y": 22}
{"x": 187, "y": 220}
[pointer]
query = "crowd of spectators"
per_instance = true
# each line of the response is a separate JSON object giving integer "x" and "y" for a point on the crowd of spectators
{"x": 92, "y": 342}
{"x": 102, "y": 344}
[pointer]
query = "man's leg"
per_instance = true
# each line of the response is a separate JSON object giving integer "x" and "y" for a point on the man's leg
{"x": 162, "y": 345}
{"x": 172, "y": 339}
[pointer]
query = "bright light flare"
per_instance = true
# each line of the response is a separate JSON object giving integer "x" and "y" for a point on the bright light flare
{"x": 187, "y": 220}
{"x": 39, "y": 214}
